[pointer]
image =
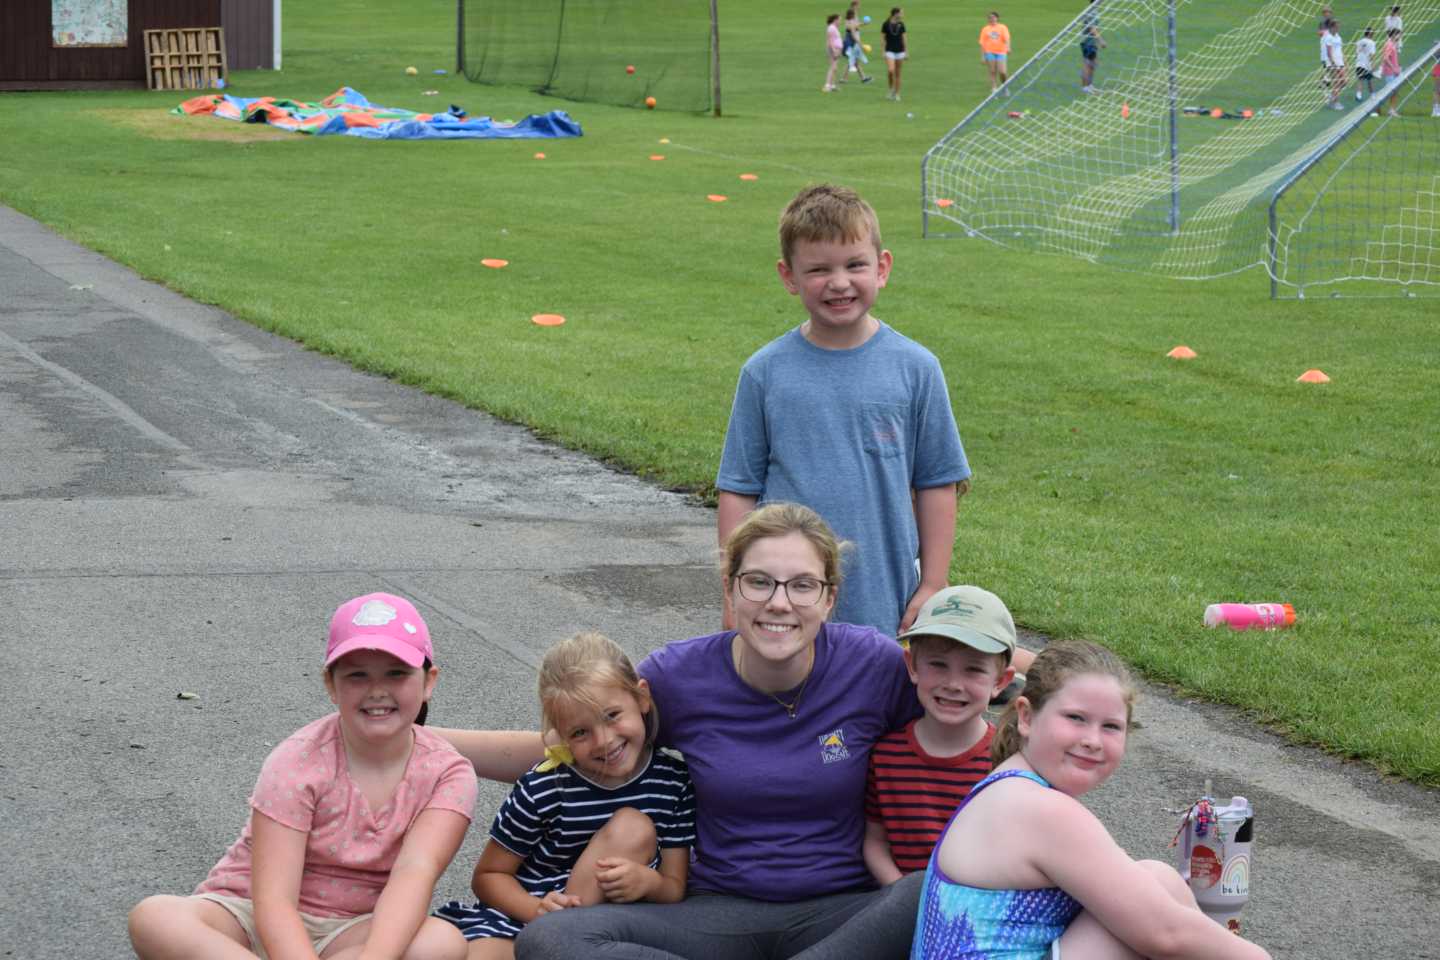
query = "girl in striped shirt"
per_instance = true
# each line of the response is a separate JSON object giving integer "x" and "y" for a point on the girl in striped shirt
{"x": 606, "y": 817}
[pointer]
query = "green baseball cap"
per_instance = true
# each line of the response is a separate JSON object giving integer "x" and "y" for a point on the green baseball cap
{"x": 968, "y": 615}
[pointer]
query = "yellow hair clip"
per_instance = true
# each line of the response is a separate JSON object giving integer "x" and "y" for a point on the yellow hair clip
{"x": 555, "y": 756}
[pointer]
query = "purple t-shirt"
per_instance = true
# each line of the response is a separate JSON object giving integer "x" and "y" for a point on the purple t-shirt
{"x": 780, "y": 803}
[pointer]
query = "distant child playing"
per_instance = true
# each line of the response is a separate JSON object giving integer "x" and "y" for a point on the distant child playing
{"x": 352, "y": 821}
{"x": 848, "y": 417}
{"x": 1024, "y": 866}
{"x": 854, "y": 47}
{"x": 834, "y": 47}
{"x": 1390, "y": 66}
{"x": 897, "y": 48}
{"x": 995, "y": 50}
{"x": 605, "y": 818}
{"x": 1364, "y": 64}
{"x": 1332, "y": 58}
{"x": 958, "y": 656}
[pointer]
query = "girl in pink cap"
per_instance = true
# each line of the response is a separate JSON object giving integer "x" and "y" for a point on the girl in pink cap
{"x": 352, "y": 820}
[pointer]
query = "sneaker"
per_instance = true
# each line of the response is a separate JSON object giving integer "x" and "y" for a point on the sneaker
{"x": 828, "y": 88}
{"x": 866, "y": 79}
{"x": 896, "y": 98}
{"x": 1374, "y": 113}
{"x": 1337, "y": 105}
{"x": 1359, "y": 95}
{"x": 1394, "y": 113}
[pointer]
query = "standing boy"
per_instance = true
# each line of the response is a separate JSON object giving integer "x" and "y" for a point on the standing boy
{"x": 849, "y": 417}
{"x": 958, "y": 654}
{"x": 995, "y": 50}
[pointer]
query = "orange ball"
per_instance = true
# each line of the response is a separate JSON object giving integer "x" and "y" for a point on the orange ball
{"x": 630, "y": 68}
{"x": 649, "y": 103}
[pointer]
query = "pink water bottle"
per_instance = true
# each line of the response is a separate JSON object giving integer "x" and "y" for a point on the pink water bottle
{"x": 1246, "y": 616}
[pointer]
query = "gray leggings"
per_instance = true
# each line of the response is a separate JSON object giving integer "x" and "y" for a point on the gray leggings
{"x": 876, "y": 925}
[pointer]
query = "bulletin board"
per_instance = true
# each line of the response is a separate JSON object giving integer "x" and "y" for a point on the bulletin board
{"x": 89, "y": 23}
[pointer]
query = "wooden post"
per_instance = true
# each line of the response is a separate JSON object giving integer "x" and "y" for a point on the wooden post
{"x": 715, "y": 53}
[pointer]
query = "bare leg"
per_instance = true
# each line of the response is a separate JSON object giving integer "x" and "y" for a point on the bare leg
{"x": 1087, "y": 939}
{"x": 898, "y": 65}
{"x": 492, "y": 948}
{"x": 629, "y": 834}
{"x": 435, "y": 940}
{"x": 830, "y": 74}
{"x": 172, "y": 928}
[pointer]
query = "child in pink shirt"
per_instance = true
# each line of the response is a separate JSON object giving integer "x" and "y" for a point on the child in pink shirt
{"x": 834, "y": 46}
{"x": 1390, "y": 65}
{"x": 353, "y": 819}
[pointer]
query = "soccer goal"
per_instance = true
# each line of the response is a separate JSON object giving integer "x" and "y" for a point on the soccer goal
{"x": 623, "y": 52}
{"x": 1201, "y": 138}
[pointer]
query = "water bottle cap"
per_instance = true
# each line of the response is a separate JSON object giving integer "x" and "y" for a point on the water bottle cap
{"x": 1289, "y": 613}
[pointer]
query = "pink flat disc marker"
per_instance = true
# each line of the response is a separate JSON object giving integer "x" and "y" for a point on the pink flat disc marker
{"x": 547, "y": 319}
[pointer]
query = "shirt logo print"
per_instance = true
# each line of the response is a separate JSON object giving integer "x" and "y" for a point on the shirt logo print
{"x": 832, "y": 746}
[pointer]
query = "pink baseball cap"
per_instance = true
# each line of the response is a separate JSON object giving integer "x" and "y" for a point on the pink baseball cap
{"x": 380, "y": 621}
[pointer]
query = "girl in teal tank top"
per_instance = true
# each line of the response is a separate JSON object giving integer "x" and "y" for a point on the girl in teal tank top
{"x": 1024, "y": 872}
{"x": 956, "y": 919}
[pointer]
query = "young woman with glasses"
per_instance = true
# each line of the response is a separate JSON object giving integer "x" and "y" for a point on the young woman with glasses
{"x": 776, "y": 720}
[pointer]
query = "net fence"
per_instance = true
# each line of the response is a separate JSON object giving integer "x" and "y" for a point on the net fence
{"x": 581, "y": 49}
{"x": 1196, "y": 114}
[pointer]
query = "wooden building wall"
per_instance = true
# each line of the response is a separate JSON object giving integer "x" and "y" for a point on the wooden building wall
{"x": 30, "y": 61}
{"x": 249, "y": 34}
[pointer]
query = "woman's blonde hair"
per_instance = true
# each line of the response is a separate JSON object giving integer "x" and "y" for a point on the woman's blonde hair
{"x": 779, "y": 520}
{"x": 575, "y": 667}
{"x": 1052, "y": 669}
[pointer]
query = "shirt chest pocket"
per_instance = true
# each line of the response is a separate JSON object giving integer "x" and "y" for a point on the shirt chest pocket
{"x": 882, "y": 428}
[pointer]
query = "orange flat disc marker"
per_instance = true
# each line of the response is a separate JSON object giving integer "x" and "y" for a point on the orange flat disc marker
{"x": 748, "y": 176}
{"x": 1312, "y": 376}
{"x": 547, "y": 319}
{"x": 1182, "y": 352}
{"x": 944, "y": 202}
{"x": 657, "y": 156}
{"x": 539, "y": 156}
{"x": 716, "y": 197}
{"x": 493, "y": 263}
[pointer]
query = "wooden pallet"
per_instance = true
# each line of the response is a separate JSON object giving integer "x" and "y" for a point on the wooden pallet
{"x": 185, "y": 58}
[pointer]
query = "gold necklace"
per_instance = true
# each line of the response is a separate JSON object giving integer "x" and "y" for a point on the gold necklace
{"x": 793, "y": 704}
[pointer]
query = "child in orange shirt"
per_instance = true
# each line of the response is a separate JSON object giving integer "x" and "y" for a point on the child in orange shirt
{"x": 995, "y": 50}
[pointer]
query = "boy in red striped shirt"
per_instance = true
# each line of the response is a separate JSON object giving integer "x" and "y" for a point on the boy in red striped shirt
{"x": 958, "y": 653}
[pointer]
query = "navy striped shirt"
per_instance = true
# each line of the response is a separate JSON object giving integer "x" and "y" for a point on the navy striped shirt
{"x": 549, "y": 817}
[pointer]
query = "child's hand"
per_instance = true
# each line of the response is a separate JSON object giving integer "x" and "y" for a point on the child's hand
{"x": 624, "y": 881}
{"x": 556, "y": 900}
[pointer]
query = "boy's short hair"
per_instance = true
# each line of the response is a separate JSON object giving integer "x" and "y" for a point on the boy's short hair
{"x": 826, "y": 213}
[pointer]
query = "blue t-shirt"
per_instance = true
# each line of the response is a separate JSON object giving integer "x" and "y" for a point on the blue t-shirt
{"x": 780, "y": 802}
{"x": 848, "y": 433}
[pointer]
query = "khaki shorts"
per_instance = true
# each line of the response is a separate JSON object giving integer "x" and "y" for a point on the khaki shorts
{"x": 322, "y": 930}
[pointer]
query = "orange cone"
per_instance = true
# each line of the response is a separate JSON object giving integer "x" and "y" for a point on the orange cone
{"x": 1312, "y": 376}
{"x": 1182, "y": 352}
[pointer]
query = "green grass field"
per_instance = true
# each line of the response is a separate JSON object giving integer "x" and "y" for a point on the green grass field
{"x": 1116, "y": 492}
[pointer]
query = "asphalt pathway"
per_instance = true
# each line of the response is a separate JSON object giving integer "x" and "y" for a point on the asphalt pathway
{"x": 184, "y": 499}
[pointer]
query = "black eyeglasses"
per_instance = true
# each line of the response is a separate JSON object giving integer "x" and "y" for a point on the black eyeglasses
{"x": 802, "y": 591}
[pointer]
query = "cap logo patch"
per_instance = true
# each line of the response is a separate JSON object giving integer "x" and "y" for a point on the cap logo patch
{"x": 409, "y": 627}
{"x": 954, "y": 605}
{"x": 374, "y": 613}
